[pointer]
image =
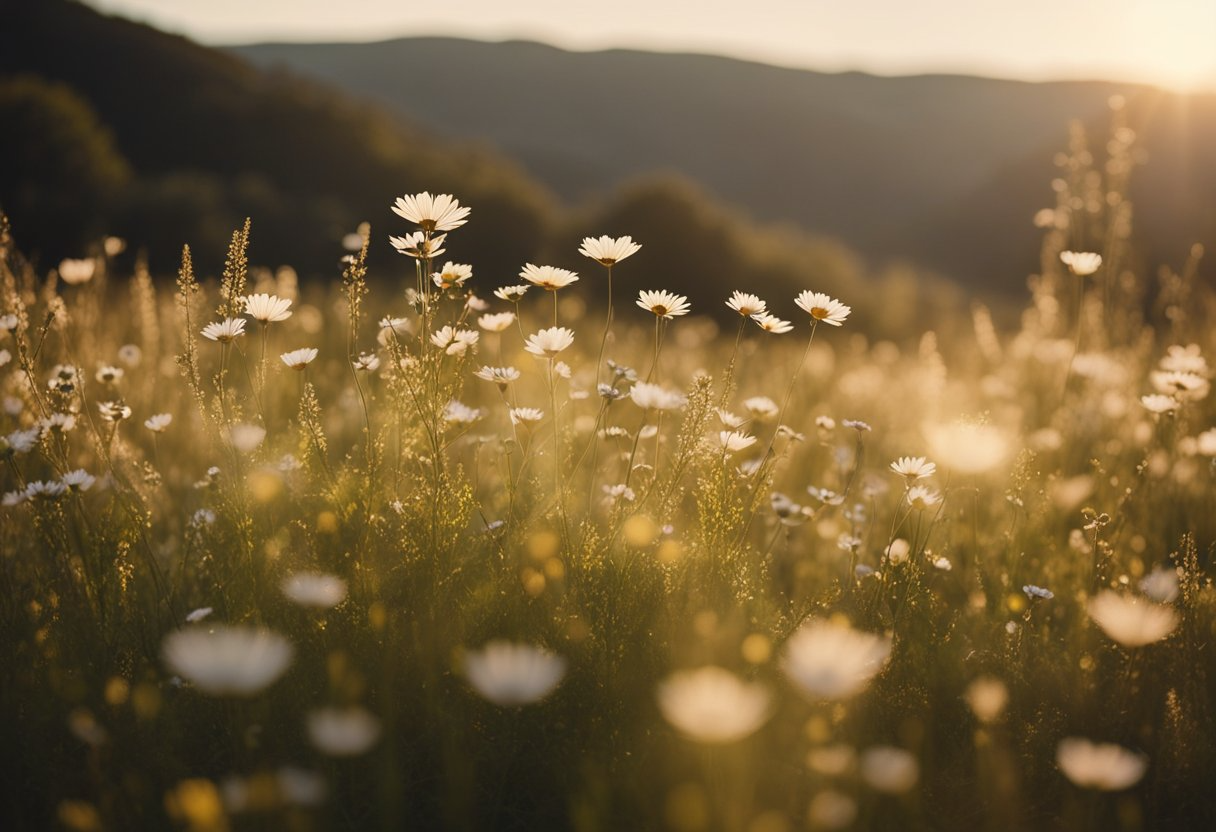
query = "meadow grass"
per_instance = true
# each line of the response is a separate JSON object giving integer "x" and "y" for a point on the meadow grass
{"x": 593, "y": 566}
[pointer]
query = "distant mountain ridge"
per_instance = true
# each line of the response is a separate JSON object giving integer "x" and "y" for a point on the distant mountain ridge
{"x": 925, "y": 167}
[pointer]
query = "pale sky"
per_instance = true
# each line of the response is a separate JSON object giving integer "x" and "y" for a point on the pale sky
{"x": 1168, "y": 42}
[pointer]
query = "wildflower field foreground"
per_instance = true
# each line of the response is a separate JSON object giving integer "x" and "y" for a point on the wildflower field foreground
{"x": 568, "y": 554}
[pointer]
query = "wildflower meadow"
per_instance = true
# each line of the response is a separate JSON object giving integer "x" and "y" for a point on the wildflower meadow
{"x": 549, "y": 549}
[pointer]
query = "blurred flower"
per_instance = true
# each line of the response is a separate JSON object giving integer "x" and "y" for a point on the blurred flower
{"x": 1102, "y": 766}
{"x": 1081, "y": 263}
{"x": 22, "y": 441}
{"x": 1188, "y": 359}
{"x": 913, "y": 468}
{"x": 608, "y": 251}
{"x": 653, "y": 397}
{"x": 418, "y": 245}
{"x": 831, "y": 809}
{"x": 460, "y": 414}
{"x": 747, "y": 305}
{"x": 246, "y": 438}
{"x": 822, "y": 307}
{"x": 921, "y": 498}
{"x": 549, "y": 342}
{"x": 773, "y": 324}
{"x": 761, "y": 408}
{"x": 510, "y": 674}
{"x": 1159, "y": 404}
{"x": 497, "y": 322}
{"x": 159, "y": 422}
{"x": 455, "y": 341}
{"x": 75, "y": 272}
{"x": 663, "y": 304}
{"x": 342, "y": 732}
{"x": 1035, "y": 593}
{"x": 967, "y": 448}
{"x": 78, "y": 480}
{"x": 130, "y": 354}
{"x": 299, "y": 359}
{"x": 199, "y": 614}
{"x": 227, "y": 660}
{"x": 898, "y": 551}
{"x": 114, "y": 411}
{"x": 109, "y": 375}
{"x": 828, "y": 660}
{"x": 314, "y": 589}
{"x": 1161, "y": 584}
{"x": 713, "y": 705}
{"x": 267, "y": 309}
{"x": 889, "y": 770}
{"x": 226, "y": 330}
{"x": 550, "y": 278}
{"x": 1190, "y": 387}
{"x": 987, "y": 697}
{"x": 1131, "y": 621}
{"x": 452, "y": 275}
{"x": 433, "y": 213}
{"x": 367, "y": 362}
{"x": 733, "y": 441}
{"x": 44, "y": 491}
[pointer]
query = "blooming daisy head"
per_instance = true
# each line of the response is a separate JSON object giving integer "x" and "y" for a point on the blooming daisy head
{"x": 224, "y": 331}
{"x": 1081, "y": 263}
{"x": 913, "y": 468}
{"x": 159, "y": 422}
{"x": 746, "y": 305}
{"x": 511, "y": 294}
{"x": 771, "y": 323}
{"x": 78, "y": 480}
{"x": 458, "y": 413}
{"x": 548, "y": 277}
{"x": 454, "y": 341}
{"x": 452, "y": 275}
{"x": 431, "y": 213}
{"x": 299, "y": 359}
{"x": 733, "y": 441}
{"x": 267, "y": 309}
{"x": 502, "y": 376}
{"x": 418, "y": 245}
{"x": 526, "y": 416}
{"x": 608, "y": 251}
{"x": 549, "y": 342}
{"x": 663, "y": 304}
{"x": 367, "y": 362}
{"x": 109, "y": 375}
{"x": 823, "y": 308}
{"x": 921, "y": 498}
{"x": 761, "y": 408}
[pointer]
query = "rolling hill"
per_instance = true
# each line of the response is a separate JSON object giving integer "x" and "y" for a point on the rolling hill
{"x": 944, "y": 170}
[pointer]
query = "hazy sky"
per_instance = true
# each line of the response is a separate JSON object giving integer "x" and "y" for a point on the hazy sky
{"x": 1158, "y": 41}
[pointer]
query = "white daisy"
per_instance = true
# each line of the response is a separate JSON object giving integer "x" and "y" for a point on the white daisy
{"x": 226, "y": 330}
{"x": 452, "y": 275}
{"x": 159, "y": 422}
{"x": 1102, "y": 766}
{"x": 433, "y": 213}
{"x": 747, "y": 305}
{"x": 511, "y": 294}
{"x": 913, "y": 468}
{"x": 418, "y": 245}
{"x": 299, "y": 359}
{"x": 828, "y": 660}
{"x": 227, "y": 660}
{"x": 550, "y": 278}
{"x": 823, "y": 307}
{"x": 1129, "y": 620}
{"x": 497, "y": 322}
{"x": 1081, "y": 263}
{"x": 549, "y": 342}
{"x": 773, "y": 324}
{"x": 663, "y": 304}
{"x": 266, "y": 309}
{"x": 608, "y": 251}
